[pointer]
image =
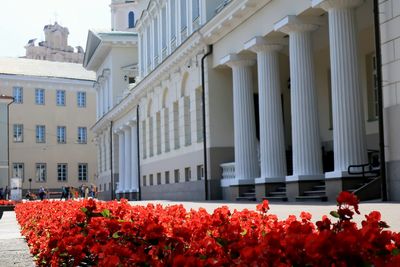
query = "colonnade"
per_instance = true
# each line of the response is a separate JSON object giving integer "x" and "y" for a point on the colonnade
{"x": 348, "y": 120}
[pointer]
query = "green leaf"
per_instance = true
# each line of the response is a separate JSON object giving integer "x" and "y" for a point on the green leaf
{"x": 244, "y": 232}
{"x": 334, "y": 214}
{"x": 84, "y": 210}
{"x": 396, "y": 252}
{"x": 115, "y": 235}
{"x": 106, "y": 213}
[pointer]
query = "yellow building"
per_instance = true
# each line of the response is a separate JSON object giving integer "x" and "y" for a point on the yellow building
{"x": 54, "y": 108}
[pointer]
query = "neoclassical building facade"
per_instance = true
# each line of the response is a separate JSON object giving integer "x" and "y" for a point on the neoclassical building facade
{"x": 256, "y": 99}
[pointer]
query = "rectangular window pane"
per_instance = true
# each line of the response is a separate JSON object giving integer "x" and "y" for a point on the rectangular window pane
{"x": 18, "y": 95}
{"x": 164, "y": 27}
{"x": 82, "y": 135}
{"x": 62, "y": 172}
{"x": 195, "y": 9}
{"x": 18, "y": 135}
{"x": 61, "y": 134}
{"x": 81, "y": 99}
{"x": 18, "y": 170}
{"x": 41, "y": 172}
{"x": 82, "y": 172}
{"x": 60, "y": 94}
{"x": 39, "y": 96}
{"x": 173, "y": 24}
{"x": 40, "y": 134}
{"x": 183, "y": 15}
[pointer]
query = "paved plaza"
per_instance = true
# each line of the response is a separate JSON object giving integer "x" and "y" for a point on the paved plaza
{"x": 15, "y": 252}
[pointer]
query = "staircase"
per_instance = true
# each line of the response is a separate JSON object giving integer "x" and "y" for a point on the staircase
{"x": 278, "y": 195}
{"x": 249, "y": 195}
{"x": 316, "y": 193}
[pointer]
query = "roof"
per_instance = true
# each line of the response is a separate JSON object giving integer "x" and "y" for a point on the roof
{"x": 44, "y": 68}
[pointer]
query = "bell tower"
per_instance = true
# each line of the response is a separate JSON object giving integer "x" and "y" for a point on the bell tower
{"x": 124, "y": 13}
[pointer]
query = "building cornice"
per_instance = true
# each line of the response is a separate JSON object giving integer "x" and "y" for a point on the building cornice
{"x": 39, "y": 79}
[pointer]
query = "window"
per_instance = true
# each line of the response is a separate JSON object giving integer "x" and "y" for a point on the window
{"x": 144, "y": 180}
{"x": 39, "y": 96}
{"x": 176, "y": 175}
{"x": 183, "y": 15}
{"x": 60, "y": 97}
{"x": 82, "y": 135}
{"x": 18, "y": 133}
{"x": 188, "y": 174}
{"x": 62, "y": 172}
{"x": 195, "y": 9}
{"x": 82, "y": 172}
{"x": 131, "y": 20}
{"x": 18, "y": 95}
{"x": 40, "y": 134}
{"x": 81, "y": 99}
{"x": 151, "y": 179}
{"x": 164, "y": 27}
{"x": 200, "y": 172}
{"x": 18, "y": 170}
{"x": 159, "y": 178}
{"x": 167, "y": 177}
{"x": 173, "y": 27}
{"x": 61, "y": 134}
{"x": 41, "y": 172}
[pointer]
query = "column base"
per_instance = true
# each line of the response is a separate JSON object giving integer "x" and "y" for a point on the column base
{"x": 298, "y": 187}
{"x": 235, "y": 181}
{"x": 308, "y": 177}
{"x": 268, "y": 180}
{"x": 264, "y": 189}
{"x": 336, "y": 174}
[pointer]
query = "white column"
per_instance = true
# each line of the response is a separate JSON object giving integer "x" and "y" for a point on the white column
{"x": 97, "y": 87}
{"x": 107, "y": 76}
{"x": 246, "y": 162}
{"x": 100, "y": 103}
{"x": 272, "y": 143}
{"x": 349, "y": 141}
{"x": 103, "y": 95}
{"x": 127, "y": 159}
{"x": 134, "y": 185}
{"x": 121, "y": 162}
{"x": 307, "y": 156}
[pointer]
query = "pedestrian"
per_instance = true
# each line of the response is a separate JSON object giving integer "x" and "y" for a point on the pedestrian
{"x": 1, "y": 193}
{"x": 63, "y": 193}
{"x": 41, "y": 193}
{"x": 86, "y": 192}
{"x": 7, "y": 193}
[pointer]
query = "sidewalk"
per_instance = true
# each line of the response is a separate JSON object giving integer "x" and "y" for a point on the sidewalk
{"x": 13, "y": 249}
{"x": 390, "y": 211}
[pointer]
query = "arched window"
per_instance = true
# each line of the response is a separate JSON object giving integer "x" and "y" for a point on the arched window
{"x": 131, "y": 19}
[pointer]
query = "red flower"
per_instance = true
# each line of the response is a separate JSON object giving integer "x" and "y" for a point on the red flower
{"x": 264, "y": 206}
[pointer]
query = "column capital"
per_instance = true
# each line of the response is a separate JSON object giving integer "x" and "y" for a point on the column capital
{"x": 259, "y": 44}
{"x": 232, "y": 60}
{"x": 335, "y": 4}
{"x": 293, "y": 23}
{"x": 119, "y": 130}
{"x": 131, "y": 123}
{"x": 96, "y": 86}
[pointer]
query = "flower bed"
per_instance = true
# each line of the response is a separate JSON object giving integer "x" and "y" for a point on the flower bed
{"x": 114, "y": 233}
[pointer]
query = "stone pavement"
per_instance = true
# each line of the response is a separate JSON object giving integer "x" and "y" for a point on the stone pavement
{"x": 13, "y": 249}
{"x": 390, "y": 211}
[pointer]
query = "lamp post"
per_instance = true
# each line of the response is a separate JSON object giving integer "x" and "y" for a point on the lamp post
{"x": 9, "y": 100}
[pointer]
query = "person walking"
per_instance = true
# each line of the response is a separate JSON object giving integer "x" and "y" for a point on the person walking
{"x": 41, "y": 193}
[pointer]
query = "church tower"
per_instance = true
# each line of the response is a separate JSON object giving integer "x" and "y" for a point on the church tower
{"x": 124, "y": 13}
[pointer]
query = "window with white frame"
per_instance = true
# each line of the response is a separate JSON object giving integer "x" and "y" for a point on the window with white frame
{"x": 82, "y": 135}
{"x": 61, "y": 134}
{"x": 60, "y": 97}
{"x": 39, "y": 96}
{"x": 173, "y": 23}
{"x": 18, "y": 95}
{"x": 18, "y": 170}
{"x": 62, "y": 172}
{"x": 40, "y": 134}
{"x": 41, "y": 172}
{"x": 183, "y": 15}
{"x": 81, "y": 99}
{"x": 176, "y": 175}
{"x": 164, "y": 27}
{"x": 188, "y": 174}
{"x": 82, "y": 172}
{"x": 200, "y": 172}
{"x": 18, "y": 133}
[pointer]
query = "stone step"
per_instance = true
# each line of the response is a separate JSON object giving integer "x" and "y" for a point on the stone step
{"x": 248, "y": 194}
{"x": 319, "y": 187}
{"x": 246, "y": 199}
{"x": 277, "y": 193}
{"x": 315, "y": 192}
{"x": 276, "y": 198}
{"x": 311, "y": 198}
{"x": 282, "y": 188}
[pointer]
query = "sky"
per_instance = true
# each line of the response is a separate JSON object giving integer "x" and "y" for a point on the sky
{"x": 21, "y": 20}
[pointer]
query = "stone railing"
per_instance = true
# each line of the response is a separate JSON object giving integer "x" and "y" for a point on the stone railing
{"x": 228, "y": 170}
